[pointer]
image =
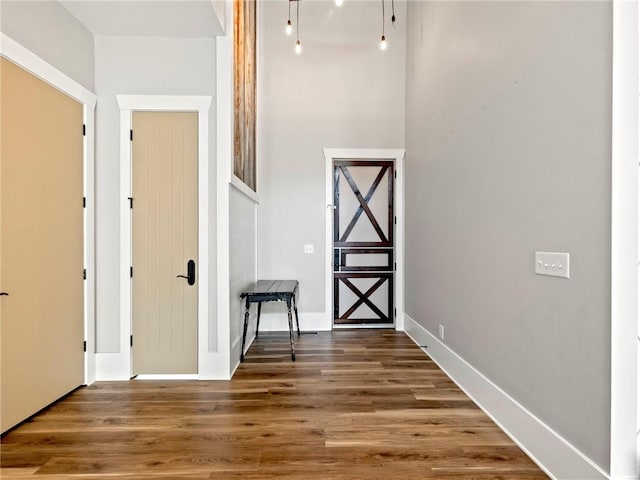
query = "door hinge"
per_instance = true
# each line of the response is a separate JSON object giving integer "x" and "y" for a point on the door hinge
{"x": 131, "y": 135}
{"x": 84, "y": 274}
{"x": 394, "y": 312}
{"x": 131, "y": 272}
{"x": 395, "y": 220}
{"x": 395, "y": 174}
{"x": 130, "y": 202}
{"x": 131, "y": 340}
{"x": 395, "y": 265}
{"x": 84, "y": 346}
{"x": 84, "y": 202}
{"x": 84, "y": 130}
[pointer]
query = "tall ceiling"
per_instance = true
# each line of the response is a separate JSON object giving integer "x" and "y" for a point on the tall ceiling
{"x": 150, "y": 18}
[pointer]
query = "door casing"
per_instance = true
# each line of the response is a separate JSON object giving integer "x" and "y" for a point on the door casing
{"x": 364, "y": 154}
{"x": 26, "y": 59}
{"x": 115, "y": 365}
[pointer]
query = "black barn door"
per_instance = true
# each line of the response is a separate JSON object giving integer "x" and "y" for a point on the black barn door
{"x": 363, "y": 242}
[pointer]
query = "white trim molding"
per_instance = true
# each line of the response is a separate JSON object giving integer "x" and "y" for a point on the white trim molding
{"x": 173, "y": 376}
{"x": 624, "y": 241}
{"x": 224, "y": 158}
{"x": 551, "y": 452}
{"x": 12, "y": 50}
{"x": 118, "y": 366}
{"x": 243, "y": 188}
{"x": 397, "y": 155}
{"x": 23, "y": 57}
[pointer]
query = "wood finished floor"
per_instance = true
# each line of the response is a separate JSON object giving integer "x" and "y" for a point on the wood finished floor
{"x": 364, "y": 404}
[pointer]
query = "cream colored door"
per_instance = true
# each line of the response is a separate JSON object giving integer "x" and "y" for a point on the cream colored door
{"x": 41, "y": 319}
{"x": 165, "y": 240}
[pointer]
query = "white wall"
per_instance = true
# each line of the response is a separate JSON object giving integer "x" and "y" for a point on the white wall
{"x": 51, "y": 32}
{"x": 508, "y": 153}
{"x": 242, "y": 265}
{"x": 342, "y": 92}
{"x": 140, "y": 66}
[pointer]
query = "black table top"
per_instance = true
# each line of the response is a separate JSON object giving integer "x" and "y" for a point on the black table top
{"x": 271, "y": 287}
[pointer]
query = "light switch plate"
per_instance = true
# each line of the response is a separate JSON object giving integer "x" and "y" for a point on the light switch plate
{"x": 308, "y": 248}
{"x": 553, "y": 264}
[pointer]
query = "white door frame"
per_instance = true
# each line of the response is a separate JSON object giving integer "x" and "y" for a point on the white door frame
{"x": 397, "y": 155}
{"x": 624, "y": 240}
{"x": 187, "y": 103}
{"x": 23, "y": 57}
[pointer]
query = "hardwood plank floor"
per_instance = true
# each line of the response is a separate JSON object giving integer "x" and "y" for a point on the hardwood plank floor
{"x": 357, "y": 404}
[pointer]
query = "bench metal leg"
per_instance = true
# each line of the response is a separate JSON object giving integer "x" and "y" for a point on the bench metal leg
{"x": 258, "y": 324}
{"x": 246, "y": 323}
{"x": 293, "y": 350}
{"x": 295, "y": 309}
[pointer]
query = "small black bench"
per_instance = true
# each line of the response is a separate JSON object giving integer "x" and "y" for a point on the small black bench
{"x": 271, "y": 291}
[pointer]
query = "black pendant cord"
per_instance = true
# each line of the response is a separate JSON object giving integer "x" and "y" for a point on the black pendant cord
{"x": 289, "y": 23}
{"x": 383, "y": 19}
{"x": 393, "y": 12}
{"x": 298, "y": 20}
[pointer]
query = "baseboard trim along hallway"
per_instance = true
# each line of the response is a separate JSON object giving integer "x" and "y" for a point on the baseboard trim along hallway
{"x": 555, "y": 455}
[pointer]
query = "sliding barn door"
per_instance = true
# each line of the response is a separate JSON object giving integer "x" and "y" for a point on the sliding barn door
{"x": 363, "y": 242}
{"x": 41, "y": 250}
{"x": 165, "y": 243}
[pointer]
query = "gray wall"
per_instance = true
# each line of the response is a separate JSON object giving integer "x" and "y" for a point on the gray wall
{"x": 508, "y": 153}
{"x": 52, "y": 33}
{"x": 140, "y": 66}
{"x": 342, "y": 92}
{"x": 242, "y": 264}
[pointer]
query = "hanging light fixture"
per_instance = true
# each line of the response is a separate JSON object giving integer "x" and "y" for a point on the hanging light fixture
{"x": 298, "y": 47}
{"x": 383, "y": 40}
{"x": 289, "y": 29}
{"x": 393, "y": 14}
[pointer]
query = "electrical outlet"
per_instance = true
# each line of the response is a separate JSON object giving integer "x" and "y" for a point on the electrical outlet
{"x": 441, "y": 331}
{"x": 308, "y": 248}
{"x": 552, "y": 264}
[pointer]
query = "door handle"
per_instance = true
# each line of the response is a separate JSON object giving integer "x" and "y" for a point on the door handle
{"x": 191, "y": 273}
{"x": 4, "y": 294}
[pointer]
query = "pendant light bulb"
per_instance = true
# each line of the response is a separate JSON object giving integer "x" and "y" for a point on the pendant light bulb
{"x": 339, "y": 2}
{"x": 298, "y": 48}
{"x": 289, "y": 29}
{"x": 383, "y": 43}
{"x": 393, "y": 21}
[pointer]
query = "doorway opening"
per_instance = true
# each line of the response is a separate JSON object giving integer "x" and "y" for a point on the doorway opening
{"x": 196, "y": 111}
{"x": 364, "y": 287}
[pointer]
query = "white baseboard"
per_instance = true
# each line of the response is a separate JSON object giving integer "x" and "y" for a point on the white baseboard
{"x": 175, "y": 376}
{"x": 553, "y": 454}
{"x": 111, "y": 367}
